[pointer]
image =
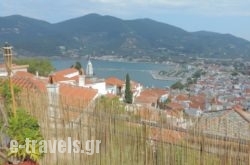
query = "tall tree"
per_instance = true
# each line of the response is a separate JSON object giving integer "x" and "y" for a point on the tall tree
{"x": 78, "y": 66}
{"x": 128, "y": 92}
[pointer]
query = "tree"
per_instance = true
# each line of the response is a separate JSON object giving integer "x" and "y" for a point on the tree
{"x": 40, "y": 65}
{"x": 178, "y": 85}
{"x": 128, "y": 92}
{"x": 78, "y": 66}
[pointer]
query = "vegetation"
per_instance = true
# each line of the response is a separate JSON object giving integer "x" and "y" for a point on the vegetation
{"x": 178, "y": 85}
{"x": 196, "y": 75}
{"x": 40, "y": 65}
{"x": 127, "y": 140}
{"x": 6, "y": 95}
{"x": 78, "y": 66}
{"x": 234, "y": 73}
{"x": 17, "y": 127}
{"x": 107, "y": 35}
{"x": 128, "y": 93}
{"x": 21, "y": 127}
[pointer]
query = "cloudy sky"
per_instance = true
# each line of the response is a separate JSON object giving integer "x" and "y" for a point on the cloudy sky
{"x": 224, "y": 16}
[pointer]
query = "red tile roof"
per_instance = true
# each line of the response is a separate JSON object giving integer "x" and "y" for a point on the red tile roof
{"x": 23, "y": 74}
{"x": 148, "y": 114}
{"x": 61, "y": 75}
{"x": 166, "y": 135}
{"x": 175, "y": 106}
{"x": 150, "y": 95}
{"x": 114, "y": 81}
{"x": 247, "y": 91}
{"x": 75, "y": 97}
{"x": 182, "y": 97}
{"x": 29, "y": 81}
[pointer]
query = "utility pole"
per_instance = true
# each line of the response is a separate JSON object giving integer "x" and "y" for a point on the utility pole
{"x": 7, "y": 55}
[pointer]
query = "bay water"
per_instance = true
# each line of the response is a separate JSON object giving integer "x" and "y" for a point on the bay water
{"x": 138, "y": 71}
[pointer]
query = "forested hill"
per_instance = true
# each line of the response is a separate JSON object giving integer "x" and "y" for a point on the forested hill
{"x": 106, "y": 35}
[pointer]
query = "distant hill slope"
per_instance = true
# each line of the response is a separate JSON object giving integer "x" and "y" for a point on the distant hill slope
{"x": 107, "y": 35}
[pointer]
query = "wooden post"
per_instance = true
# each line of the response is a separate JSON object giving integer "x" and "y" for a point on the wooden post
{"x": 7, "y": 54}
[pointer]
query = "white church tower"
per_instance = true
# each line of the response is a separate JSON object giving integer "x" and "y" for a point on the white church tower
{"x": 89, "y": 69}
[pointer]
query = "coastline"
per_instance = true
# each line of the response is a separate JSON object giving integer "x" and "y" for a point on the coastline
{"x": 156, "y": 76}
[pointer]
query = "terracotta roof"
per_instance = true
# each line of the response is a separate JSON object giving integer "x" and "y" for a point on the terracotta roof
{"x": 76, "y": 96}
{"x": 166, "y": 135}
{"x": 73, "y": 97}
{"x": 29, "y": 81}
{"x": 114, "y": 81}
{"x": 23, "y": 74}
{"x": 148, "y": 114}
{"x": 247, "y": 91}
{"x": 182, "y": 97}
{"x": 62, "y": 75}
{"x": 175, "y": 106}
{"x": 66, "y": 71}
{"x": 150, "y": 95}
{"x": 197, "y": 102}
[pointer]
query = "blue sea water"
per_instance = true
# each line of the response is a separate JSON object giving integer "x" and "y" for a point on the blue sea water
{"x": 139, "y": 72}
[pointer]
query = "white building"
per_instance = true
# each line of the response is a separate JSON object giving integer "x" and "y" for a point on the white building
{"x": 15, "y": 68}
{"x": 89, "y": 69}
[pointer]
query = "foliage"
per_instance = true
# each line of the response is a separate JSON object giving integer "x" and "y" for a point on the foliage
{"x": 43, "y": 66}
{"x": 178, "y": 85}
{"x": 191, "y": 80}
{"x": 106, "y": 34}
{"x": 78, "y": 66}
{"x": 109, "y": 105}
{"x": 234, "y": 73}
{"x": 198, "y": 74}
{"x": 128, "y": 92}
{"x": 6, "y": 94}
{"x": 21, "y": 127}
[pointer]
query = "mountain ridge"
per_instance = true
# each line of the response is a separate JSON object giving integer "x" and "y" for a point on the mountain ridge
{"x": 108, "y": 35}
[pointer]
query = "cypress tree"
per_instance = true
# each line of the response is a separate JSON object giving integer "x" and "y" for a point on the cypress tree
{"x": 128, "y": 92}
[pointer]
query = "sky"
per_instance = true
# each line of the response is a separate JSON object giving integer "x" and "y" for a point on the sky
{"x": 223, "y": 16}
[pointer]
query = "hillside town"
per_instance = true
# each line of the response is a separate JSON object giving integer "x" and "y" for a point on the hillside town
{"x": 218, "y": 98}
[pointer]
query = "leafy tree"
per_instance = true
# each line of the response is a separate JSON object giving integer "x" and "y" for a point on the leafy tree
{"x": 178, "y": 85}
{"x": 78, "y": 66}
{"x": 43, "y": 66}
{"x": 128, "y": 92}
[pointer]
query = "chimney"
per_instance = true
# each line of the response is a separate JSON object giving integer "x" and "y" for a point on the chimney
{"x": 53, "y": 97}
{"x": 139, "y": 90}
{"x": 81, "y": 82}
{"x": 37, "y": 74}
